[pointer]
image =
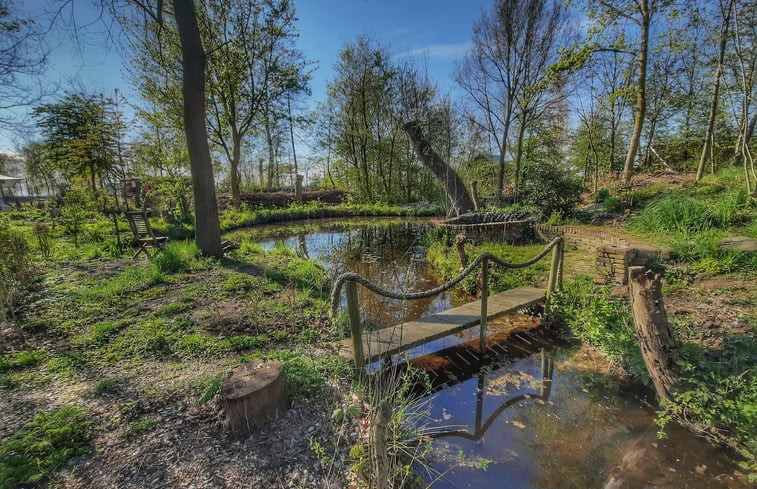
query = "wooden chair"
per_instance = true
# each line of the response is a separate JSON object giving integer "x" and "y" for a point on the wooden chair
{"x": 143, "y": 233}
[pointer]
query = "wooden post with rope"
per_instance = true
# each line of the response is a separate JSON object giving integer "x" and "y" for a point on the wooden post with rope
{"x": 353, "y": 311}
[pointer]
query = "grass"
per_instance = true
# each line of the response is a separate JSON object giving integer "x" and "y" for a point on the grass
{"x": 43, "y": 445}
{"x": 444, "y": 258}
{"x": 20, "y": 359}
{"x": 693, "y": 220}
{"x": 234, "y": 219}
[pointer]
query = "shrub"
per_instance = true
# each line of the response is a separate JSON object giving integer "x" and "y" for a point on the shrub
{"x": 549, "y": 188}
{"x": 42, "y": 234}
{"x": 17, "y": 271}
{"x": 602, "y": 195}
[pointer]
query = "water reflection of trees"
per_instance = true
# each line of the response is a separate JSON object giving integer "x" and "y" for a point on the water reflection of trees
{"x": 391, "y": 256}
{"x": 599, "y": 436}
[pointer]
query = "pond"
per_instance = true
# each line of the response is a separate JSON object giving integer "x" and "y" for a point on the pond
{"x": 389, "y": 252}
{"x": 540, "y": 414}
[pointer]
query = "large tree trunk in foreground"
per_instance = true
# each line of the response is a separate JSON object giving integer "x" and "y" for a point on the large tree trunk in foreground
{"x": 447, "y": 177}
{"x": 207, "y": 227}
{"x": 652, "y": 330}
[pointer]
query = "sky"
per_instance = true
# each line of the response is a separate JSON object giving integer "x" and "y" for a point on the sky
{"x": 435, "y": 33}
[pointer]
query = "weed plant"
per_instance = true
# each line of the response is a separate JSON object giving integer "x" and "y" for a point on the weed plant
{"x": 719, "y": 393}
{"x": 593, "y": 316}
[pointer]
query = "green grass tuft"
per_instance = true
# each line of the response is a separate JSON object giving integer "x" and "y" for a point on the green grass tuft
{"x": 40, "y": 448}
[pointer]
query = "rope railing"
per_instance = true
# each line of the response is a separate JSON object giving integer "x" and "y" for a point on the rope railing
{"x": 336, "y": 289}
{"x": 350, "y": 280}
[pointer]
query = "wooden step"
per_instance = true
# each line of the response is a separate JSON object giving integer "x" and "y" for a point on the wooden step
{"x": 401, "y": 337}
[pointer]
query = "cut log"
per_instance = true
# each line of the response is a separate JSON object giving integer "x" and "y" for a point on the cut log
{"x": 253, "y": 394}
{"x": 652, "y": 330}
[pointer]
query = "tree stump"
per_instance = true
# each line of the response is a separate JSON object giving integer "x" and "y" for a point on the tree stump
{"x": 652, "y": 330}
{"x": 253, "y": 394}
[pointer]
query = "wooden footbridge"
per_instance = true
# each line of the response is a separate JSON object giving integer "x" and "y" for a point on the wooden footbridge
{"x": 385, "y": 342}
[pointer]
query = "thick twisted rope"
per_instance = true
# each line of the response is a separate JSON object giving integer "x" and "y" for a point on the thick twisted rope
{"x": 357, "y": 278}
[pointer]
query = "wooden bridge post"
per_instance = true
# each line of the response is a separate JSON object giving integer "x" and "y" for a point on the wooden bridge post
{"x": 484, "y": 300}
{"x": 353, "y": 311}
{"x": 561, "y": 264}
{"x": 553, "y": 271}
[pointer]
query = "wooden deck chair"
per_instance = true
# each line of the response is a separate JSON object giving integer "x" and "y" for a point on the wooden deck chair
{"x": 143, "y": 233}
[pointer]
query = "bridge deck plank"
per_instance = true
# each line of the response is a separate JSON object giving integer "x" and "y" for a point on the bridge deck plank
{"x": 401, "y": 337}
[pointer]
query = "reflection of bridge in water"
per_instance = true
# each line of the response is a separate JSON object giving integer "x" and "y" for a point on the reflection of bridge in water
{"x": 480, "y": 427}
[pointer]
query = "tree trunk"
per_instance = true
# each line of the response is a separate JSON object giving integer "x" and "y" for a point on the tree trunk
{"x": 612, "y": 148}
{"x": 501, "y": 169}
{"x": 715, "y": 93}
{"x": 271, "y": 155}
{"x": 447, "y": 177}
{"x": 519, "y": 157}
{"x": 235, "y": 159}
{"x": 744, "y": 139}
{"x": 261, "y": 174}
{"x": 291, "y": 134}
{"x": 254, "y": 394}
{"x": 652, "y": 330}
{"x": 207, "y": 227}
{"x": 474, "y": 195}
{"x": 641, "y": 95}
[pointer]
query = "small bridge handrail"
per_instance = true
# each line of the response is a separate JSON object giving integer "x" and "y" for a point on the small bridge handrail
{"x": 356, "y": 277}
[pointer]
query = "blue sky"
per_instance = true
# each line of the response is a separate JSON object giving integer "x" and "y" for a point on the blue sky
{"x": 435, "y": 33}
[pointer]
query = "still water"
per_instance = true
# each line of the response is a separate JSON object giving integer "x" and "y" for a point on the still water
{"x": 540, "y": 414}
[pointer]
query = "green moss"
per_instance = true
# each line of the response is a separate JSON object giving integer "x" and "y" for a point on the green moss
{"x": 42, "y": 446}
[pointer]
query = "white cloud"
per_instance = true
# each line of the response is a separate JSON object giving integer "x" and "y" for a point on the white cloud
{"x": 439, "y": 51}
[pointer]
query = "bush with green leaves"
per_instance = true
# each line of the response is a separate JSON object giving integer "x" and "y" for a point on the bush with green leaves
{"x": 550, "y": 188}
{"x": 41, "y": 447}
{"x": 17, "y": 270}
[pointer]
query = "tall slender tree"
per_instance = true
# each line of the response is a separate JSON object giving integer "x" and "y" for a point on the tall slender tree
{"x": 725, "y": 10}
